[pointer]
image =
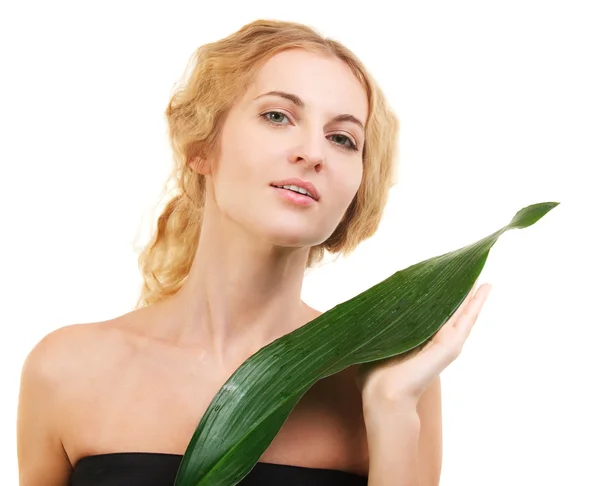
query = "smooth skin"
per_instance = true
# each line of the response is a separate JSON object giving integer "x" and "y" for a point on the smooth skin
{"x": 113, "y": 386}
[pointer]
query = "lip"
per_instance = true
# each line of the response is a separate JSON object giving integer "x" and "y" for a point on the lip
{"x": 307, "y": 186}
{"x": 295, "y": 198}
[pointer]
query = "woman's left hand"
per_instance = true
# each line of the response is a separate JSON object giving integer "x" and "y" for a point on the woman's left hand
{"x": 405, "y": 377}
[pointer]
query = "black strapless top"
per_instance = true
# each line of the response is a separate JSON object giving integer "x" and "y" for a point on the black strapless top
{"x": 159, "y": 469}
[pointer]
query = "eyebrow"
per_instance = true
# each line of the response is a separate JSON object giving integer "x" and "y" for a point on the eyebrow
{"x": 298, "y": 102}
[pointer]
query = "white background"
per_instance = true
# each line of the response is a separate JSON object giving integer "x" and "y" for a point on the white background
{"x": 499, "y": 106}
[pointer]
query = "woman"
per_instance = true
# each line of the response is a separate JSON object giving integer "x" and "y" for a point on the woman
{"x": 284, "y": 147}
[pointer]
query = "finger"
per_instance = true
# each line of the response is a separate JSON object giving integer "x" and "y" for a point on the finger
{"x": 468, "y": 318}
{"x": 458, "y": 312}
{"x": 483, "y": 291}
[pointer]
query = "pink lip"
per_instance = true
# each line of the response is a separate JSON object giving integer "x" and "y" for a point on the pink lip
{"x": 307, "y": 186}
{"x": 295, "y": 197}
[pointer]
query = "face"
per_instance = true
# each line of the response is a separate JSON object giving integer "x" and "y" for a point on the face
{"x": 312, "y": 131}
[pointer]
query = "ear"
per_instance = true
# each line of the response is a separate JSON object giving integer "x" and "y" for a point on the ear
{"x": 199, "y": 165}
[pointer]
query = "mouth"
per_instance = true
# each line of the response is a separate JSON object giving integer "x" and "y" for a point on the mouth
{"x": 293, "y": 196}
{"x": 300, "y": 186}
{"x": 296, "y": 189}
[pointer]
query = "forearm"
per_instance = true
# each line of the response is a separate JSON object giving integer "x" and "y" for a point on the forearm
{"x": 393, "y": 439}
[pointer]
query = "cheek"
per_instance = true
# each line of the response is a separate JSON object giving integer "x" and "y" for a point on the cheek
{"x": 237, "y": 163}
{"x": 346, "y": 188}
{"x": 352, "y": 184}
{"x": 358, "y": 180}
{"x": 240, "y": 180}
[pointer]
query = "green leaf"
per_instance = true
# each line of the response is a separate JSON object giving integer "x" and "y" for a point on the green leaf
{"x": 392, "y": 317}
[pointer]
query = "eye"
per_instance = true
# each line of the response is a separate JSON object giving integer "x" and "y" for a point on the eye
{"x": 344, "y": 138}
{"x": 273, "y": 120}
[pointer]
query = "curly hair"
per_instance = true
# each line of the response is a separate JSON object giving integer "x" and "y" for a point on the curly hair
{"x": 216, "y": 75}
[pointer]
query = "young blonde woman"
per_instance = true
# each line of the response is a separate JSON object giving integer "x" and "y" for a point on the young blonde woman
{"x": 284, "y": 147}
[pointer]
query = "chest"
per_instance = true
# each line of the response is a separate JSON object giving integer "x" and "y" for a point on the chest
{"x": 147, "y": 410}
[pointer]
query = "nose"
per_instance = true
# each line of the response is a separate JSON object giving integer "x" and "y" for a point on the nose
{"x": 311, "y": 151}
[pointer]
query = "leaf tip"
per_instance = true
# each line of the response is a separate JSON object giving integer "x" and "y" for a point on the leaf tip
{"x": 531, "y": 214}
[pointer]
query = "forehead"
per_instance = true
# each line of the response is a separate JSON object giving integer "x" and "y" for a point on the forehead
{"x": 323, "y": 82}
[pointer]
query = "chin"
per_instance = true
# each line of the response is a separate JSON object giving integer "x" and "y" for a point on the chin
{"x": 293, "y": 235}
{"x": 292, "y": 239}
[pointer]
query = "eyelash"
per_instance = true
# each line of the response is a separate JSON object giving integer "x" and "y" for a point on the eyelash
{"x": 352, "y": 146}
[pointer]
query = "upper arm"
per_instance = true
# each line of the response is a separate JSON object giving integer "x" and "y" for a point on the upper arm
{"x": 429, "y": 408}
{"x": 41, "y": 457}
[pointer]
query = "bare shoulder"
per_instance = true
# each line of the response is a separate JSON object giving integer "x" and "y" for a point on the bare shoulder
{"x": 75, "y": 349}
{"x": 57, "y": 346}
{"x": 71, "y": 360}
{"x": 51, "y": 376}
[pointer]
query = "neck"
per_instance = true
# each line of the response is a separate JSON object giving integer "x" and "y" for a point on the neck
{"x": 240, "y": 295}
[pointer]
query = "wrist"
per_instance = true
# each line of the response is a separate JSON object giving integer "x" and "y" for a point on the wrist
{"x": 382, "y": 401}
{"x": 381, "y": 410}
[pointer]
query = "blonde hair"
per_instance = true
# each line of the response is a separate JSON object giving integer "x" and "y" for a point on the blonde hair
{"x": 220, "y": 72}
